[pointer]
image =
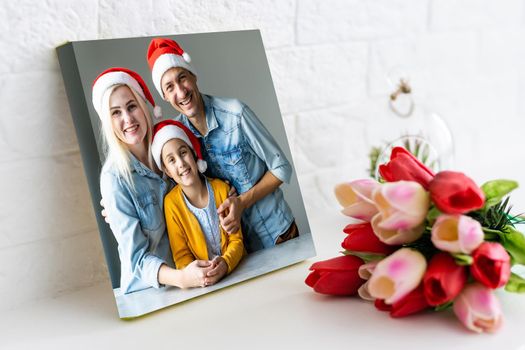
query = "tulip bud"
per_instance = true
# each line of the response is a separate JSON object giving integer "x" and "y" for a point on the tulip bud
{"x": 412, "y": 303}
{"x": 404, "y": 166}
{"x": 336, "y": 276}
{"x": 478, "y": 309}
{"x": 443, "y": 280}
{"x": 403, "y": 207}
{"x": 455, "y": 193}
{"x": 365, "y": 272}
{"x": 456, "y": 234}
{"x": 361, "y": 238}
{"x": 355, "y": 198}
{"x": 491, "y": 265}
{"x": 397, "y": 275}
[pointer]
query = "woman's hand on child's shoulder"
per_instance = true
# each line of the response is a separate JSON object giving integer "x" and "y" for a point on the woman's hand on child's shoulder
{"x": 103, "y": 212}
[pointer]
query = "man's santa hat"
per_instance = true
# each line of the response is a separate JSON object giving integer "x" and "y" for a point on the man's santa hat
{"x": 171, "y": 129}
{"x": 164, "y": 54}
{"x": 118, "y": 75}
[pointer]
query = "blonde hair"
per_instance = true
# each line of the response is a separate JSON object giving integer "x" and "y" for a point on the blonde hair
{"x": 117, "y": 152}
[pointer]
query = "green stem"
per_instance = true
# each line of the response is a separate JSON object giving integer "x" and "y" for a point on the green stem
{"x": 488, "y": 230}
{"x": 490, "y": 234}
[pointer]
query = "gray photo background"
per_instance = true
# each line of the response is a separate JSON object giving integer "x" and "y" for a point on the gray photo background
{"x": 231, "y": 64}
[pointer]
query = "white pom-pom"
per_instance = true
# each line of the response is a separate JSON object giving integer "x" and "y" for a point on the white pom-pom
{"x": 186, "y": 57}
{"x": 202, "y": 165}
{"x": 157, "y": 112}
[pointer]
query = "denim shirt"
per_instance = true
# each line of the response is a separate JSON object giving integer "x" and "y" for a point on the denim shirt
{"x": 239, "y": 149}
{"x": 137, "y": 221}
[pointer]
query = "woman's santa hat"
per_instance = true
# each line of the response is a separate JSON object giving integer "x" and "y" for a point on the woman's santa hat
{"x": 118, "y": 75}
{"x": 164, "y": 54}
{"x": 171, "y": 129}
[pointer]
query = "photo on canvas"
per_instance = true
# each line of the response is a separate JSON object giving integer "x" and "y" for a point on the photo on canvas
{"x": 182, "y": 138}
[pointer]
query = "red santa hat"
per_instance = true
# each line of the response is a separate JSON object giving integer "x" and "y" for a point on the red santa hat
{"x": 171, "y": 129}
{"x": 164, "y": 54}
{"x": 118, "y": 75}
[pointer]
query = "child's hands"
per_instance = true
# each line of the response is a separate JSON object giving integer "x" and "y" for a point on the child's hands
{"x": 219, "y": 268}
{"x": 194, "y": 275}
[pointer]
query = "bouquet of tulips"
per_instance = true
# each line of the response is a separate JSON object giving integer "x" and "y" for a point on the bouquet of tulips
{"x": 425, "y": 241}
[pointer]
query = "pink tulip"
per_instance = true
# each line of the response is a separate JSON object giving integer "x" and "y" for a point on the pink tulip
{"x": 457, "y": 233}
{"x": 355, "y": 198}
{"x": 403, "y": 206}
{"x": 478, "y": 309}
{"x": 365, "y": 272}
{"x": 397, "y": 275}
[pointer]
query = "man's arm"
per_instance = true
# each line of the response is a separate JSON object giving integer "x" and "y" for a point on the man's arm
{"x": 279, "y": 170}
{"x": 235, "y": 205}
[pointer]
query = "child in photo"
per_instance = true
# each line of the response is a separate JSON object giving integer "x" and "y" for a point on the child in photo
{"x": 190, "y": 208}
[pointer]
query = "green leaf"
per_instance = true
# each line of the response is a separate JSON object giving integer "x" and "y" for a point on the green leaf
{"x": 462, "y": 259}
{"x": 367, "y": 257}
{"x": 495, "y": 190}
{"x": 514, "y": 242}
{"x": 516, "y": 284}
{"x": 444, "y": 306}
{"x": 433, "y": 214}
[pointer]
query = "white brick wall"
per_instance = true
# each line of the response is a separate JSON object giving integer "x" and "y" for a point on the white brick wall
{"x": 328, "y": 60}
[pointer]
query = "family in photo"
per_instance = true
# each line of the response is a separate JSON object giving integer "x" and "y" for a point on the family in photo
{"x": 187, "y": 197}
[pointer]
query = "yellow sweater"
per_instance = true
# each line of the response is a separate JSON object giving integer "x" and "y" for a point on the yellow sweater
{"x": 186, "y": 238}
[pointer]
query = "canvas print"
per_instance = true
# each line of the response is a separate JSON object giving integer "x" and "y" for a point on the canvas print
{"x": 183, "y": 143}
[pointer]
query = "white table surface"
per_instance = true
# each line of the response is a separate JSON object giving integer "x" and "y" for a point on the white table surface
{"x": 274, "y": 311}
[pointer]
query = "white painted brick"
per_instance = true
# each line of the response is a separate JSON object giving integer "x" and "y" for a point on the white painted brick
{"x": 32, "y": 29}
{"x": 451, "y": 14}
{"x": 35, "y": 119}
{"x": 275, "y": 18}
{"x": 82, "y": 262}
{"x": 343, "y": 20}
{"x": 44, "y": 198}
{"x": 391, "y": 59}
{"x": 328, "y": 138}
{"x": 49, "y": 267}
{"x": 318, "y": 76}
{"x": 437, "y": 63}
{"x": 502, "y": 51}
{"x": 290, "y": 126}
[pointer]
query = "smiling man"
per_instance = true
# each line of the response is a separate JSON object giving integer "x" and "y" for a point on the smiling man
{"x": 236, "y": 146}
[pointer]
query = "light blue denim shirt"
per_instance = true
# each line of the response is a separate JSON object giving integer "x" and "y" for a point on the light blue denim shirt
{"x": 137, "y": 221}
{"x": 239, "y": 149}
{"x": 209, "y": 222}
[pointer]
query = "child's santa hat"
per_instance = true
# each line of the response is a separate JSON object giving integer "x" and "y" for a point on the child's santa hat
{"x": 118, "y": 75}
{"x": 171, "y": 129}
{"x": 164, "y": 54}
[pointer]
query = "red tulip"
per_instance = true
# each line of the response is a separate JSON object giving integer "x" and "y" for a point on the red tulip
{"x": 491, "y": 265}
{"x": 361, "y": 238}
{"x": 336, "y": 276}
{"x": 443, "y": 280}
{"x": 455, "y": 193}
{"x": 382, "y": 306}
{"x": 412, "y": 303}
{"x": 404, "y": 166}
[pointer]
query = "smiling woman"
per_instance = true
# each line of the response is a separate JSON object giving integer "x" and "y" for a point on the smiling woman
{"x": 132, "y": 188}
{"x": 127, "y": 119}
